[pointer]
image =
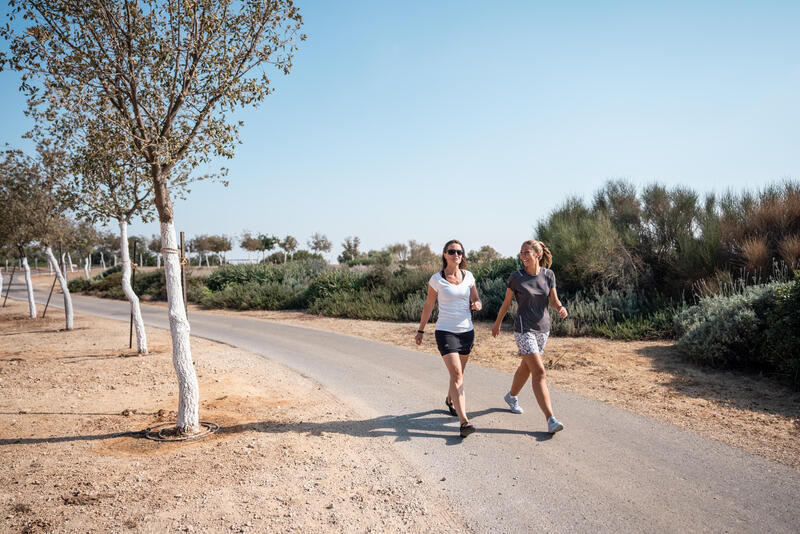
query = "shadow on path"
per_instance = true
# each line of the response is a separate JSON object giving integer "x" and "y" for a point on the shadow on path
{"x": 436, "y": 424}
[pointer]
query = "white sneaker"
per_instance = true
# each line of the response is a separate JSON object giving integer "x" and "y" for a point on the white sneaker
{"x": 554, "y": 426}
{"x": 513, "y": 403}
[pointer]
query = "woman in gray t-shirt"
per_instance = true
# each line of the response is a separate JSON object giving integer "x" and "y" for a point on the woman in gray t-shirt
{"x": 535, "y": 289}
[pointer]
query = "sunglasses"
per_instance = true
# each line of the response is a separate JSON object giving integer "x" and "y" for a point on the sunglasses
{"x": 452, "y": 251}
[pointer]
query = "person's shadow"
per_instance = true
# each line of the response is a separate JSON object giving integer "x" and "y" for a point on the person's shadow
{"x": 436, "y": 424}
{"x": 431, "y": 424}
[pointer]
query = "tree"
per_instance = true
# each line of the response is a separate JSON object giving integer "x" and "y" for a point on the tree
{"x": 164, "y": 75}
{"x": 420, "y": 253}
{"x": 484, "y": 255}
{"x": 319, "y": 243}
{"x": 288, "y": 245}
{"x": 349, "y": 249}
{"x": 21, "y": 191}
{"x": 267, "y": 243}
{"x": 219, "y": 244}
{"x": 399, "y": 252}
{"x": 107, "y": 182}
{"x": 199, "y": 244}
{"x": 250, "y": 243}
{"x": 32, "y": 211}
{"x": 154, "y": 246}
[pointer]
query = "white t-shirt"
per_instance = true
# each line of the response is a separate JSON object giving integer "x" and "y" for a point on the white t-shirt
{"x": 454, "y": 313}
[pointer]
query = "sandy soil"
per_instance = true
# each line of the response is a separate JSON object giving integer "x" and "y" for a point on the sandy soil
{"x": 289, "y": 457}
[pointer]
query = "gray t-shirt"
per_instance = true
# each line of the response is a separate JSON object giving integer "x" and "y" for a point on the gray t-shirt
{"x": 533, "y": 299}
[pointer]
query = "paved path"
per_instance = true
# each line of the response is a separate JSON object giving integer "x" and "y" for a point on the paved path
{"x": 608, "y": 471}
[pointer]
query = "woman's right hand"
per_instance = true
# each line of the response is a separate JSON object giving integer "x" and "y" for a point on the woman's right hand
{"x": 495, "y": 330}
{"x": 418, "y": 338}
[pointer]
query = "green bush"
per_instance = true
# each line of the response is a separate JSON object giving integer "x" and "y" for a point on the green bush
{"x": 290, "y": 272}
{"x": 257, "y": 296}
{"x": 755, "y": 328}
{"x": 781, "y": 345}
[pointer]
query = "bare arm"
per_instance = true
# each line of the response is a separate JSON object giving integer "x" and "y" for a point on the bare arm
{"x": 555, "y": 303}
{"x": 427, "y": 309}
{"x": 502, "y": 313}
{"x": 474, "y": 299}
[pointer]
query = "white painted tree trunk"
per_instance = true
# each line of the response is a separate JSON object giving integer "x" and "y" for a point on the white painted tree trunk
{"x": 115, "y": 260}
{"x": 86, "y": 267}
{"x": 158, "y": 260}
{"x": 188, "y": 389}
{"x": 102, "y": 261}
{"x": 64, "y": 289}
{"x": 29, "y": 286}
{"x": 207, "y": 263}
{"x": 138, "y": 323}
{"x": 69, "y": 259}
{"x": 141, "y": 260}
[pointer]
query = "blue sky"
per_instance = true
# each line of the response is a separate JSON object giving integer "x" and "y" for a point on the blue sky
{"x": 431, "y": 120}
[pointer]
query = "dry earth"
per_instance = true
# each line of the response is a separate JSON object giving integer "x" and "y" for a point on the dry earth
{"x": 289, "y": 457}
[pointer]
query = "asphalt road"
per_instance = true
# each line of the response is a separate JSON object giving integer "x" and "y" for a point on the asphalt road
{"x": 608, "y": 471}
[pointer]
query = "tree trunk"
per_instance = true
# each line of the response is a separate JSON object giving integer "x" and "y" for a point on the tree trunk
{"x": 29, "y": 286}
{"x": 207, "y": 263}
{"x": 115, "y": 260}
{"x": 69, "y": 259}
{"x": 86, "y": 267}
{"x": 188, "y": 389}
{"x": 102, "y": 261}
{"x": 63, "y": 283}
{"x": 138, "y": 323}
{"x": 158, "y": 260}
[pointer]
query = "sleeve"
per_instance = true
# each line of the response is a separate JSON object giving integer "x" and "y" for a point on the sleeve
{"x": 510, "y": 283}
{"x": 552, "y": 280}
{"x": 434, "y": 282}
{"x": 471, "y": 280}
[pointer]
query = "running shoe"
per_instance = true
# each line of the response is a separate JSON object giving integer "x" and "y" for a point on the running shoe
{"x": 513, "y": 403}
{"x": 553, "y": 425}
{"x": 466, "y": 429}
{"x": 450, "y": 407}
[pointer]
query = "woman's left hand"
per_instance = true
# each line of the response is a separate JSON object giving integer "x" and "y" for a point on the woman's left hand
{"x": 562, "y": 312}
{"x": 477, "y": 305}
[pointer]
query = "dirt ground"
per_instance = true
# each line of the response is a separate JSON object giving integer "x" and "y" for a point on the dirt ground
{"x": 288, "y": 457}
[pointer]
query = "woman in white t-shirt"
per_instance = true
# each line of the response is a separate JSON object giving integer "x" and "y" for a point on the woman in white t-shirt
{"x": 454, "y": 288}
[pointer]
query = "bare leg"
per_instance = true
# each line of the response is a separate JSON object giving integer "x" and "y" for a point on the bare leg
{"x": 464, "y": 359}
{"x": 520, "y": 377}
{"x": 539, "y": 383}
{"x": 453, "y": 363}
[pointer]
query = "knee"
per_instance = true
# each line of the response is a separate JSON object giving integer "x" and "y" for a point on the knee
{"x": 457, "y": 378}
{"x": 539, "y": 373}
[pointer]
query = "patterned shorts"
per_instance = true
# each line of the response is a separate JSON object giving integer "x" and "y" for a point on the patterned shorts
{"x": 531, "y": 342}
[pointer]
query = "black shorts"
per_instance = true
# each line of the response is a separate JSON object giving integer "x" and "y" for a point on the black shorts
{"x": 448, "y": 342}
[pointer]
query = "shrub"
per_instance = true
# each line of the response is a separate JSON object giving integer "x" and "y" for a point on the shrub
{"x": 255, "y": 295}
{"x": 781, "y": 341}
{"x": 727, "y": 330}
